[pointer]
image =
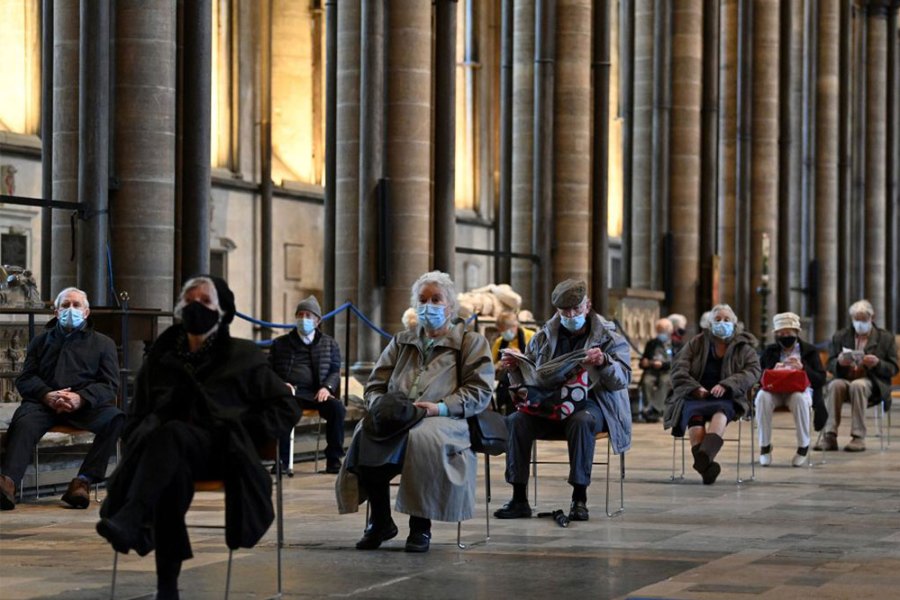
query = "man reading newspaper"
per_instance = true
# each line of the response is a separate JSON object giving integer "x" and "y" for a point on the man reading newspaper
{"x": 571, "y": 383}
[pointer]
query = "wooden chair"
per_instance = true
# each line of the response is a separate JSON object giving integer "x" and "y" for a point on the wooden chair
{"x": 608, "y": 462}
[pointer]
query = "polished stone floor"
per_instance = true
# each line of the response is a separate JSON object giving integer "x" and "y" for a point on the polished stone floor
{"x": 831, "y": 531}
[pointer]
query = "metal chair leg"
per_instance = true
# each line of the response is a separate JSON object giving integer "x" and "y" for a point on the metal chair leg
{"x": 318, "y": 441}
{"x": 228, "y": 576}
{"x": 534, "y": 471}
{"x": 672, "y": 477}
{"x": 112, "y": 590}
{"x": 621, "y": 508}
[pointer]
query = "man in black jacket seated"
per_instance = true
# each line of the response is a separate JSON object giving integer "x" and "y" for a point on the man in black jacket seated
{"x": 70, "y": 377}
{"x": 204, "y": 403}
{"x": 309, "y": 361}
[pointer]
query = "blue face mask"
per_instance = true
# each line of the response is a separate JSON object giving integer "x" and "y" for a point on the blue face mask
{"x": 306, "y": 326}
{"x": 572, "y": 323}
{"x": 508, "y": 335}
{"x": 71, "y": 318}
{"x": 663, "y": 337}
{"x": 432, "y": 316}
{"x": 722, "y": 329}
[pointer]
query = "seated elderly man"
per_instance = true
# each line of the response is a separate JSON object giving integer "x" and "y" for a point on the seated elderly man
{"x": 656, "y": 363}
{"x": 70, "y": 377}
{"x": 596, "y": 397}
{"x": 309, "y": 361}
{"x": 789, "y": 357}
{"x": 511, "y": 336}
{"x": 863, "y": 359}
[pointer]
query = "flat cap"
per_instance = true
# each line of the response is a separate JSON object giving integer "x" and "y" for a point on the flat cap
{"x": 310, "y": 304}
{"x": 569, "y": 293}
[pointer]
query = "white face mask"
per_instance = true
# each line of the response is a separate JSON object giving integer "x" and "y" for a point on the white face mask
{"x": 862, "y": 327}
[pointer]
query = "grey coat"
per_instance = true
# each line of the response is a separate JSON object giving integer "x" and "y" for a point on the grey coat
{"x": 439, "y": 469}
{"x": 740, "y": 372}
{"x": 609, "y": 382}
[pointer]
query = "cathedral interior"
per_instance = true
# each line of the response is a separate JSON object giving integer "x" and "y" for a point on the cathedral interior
{"x": 672, "y": 154}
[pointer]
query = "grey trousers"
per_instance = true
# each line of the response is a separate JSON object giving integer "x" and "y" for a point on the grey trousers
{"x": 578, "y": 430}
{"x": 856, "y": 392}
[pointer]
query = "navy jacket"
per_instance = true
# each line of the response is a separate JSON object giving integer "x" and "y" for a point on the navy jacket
{"x": 287, "y": 350}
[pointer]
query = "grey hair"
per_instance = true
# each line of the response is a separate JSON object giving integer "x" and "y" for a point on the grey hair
{"x": 192, "y": 283}
{"x": 705, "y": 318}
{"x": 62, "y": 294}
{"x": 738, "y": 325}
{"x": 443, "y": 281}
{"x": 678, "y": 320}
{"x": 862, "y": 306}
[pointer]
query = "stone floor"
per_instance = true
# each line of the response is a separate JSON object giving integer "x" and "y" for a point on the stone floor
{"x": 831, "y": 531}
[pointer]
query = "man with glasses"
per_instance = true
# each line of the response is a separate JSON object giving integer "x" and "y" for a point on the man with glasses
{"x": 604, "y": 373}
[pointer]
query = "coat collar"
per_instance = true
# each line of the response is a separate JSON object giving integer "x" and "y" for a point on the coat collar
{"x": 416, "y": 338}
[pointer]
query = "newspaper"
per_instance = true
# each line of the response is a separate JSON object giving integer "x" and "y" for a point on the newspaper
{"x": 854, "y": 356}
{"x": 549, "y": 375}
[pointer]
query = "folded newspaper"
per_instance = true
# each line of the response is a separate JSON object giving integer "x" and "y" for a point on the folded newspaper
{"x": 851, "y": 355}
{"x": 550, "y": 374}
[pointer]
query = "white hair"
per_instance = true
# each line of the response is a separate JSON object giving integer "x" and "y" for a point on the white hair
{"x": 730, "y": 315}
{"x": 862, "y": 306}
{"x": 444, "y": 282}
{"x": 679, "y": 321}
{"x": 705, "y": 319}
{"x": 68, "y": 290}
{"x": 409, "y": 317}
{"x": 193, "y": 283}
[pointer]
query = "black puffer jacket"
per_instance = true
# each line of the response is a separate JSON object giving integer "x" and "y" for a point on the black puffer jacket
{"x": 83, "y": 360}
{"x": 287, "y": 350}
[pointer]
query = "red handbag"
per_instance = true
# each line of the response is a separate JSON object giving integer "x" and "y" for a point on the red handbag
{"x": 784, "y": 381}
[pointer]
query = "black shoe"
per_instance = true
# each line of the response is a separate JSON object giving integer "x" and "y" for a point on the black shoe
{"x": 333, "y": 467}
{"x": 418, "y": 541}
{"x": 374, "y": 535}
{"x": 125, "y": 538}
{"x": 514, "y": 509}
{"x": 578, "y": 511}
{"x": 7, "y": 493}
{"x": 711, "y": 472}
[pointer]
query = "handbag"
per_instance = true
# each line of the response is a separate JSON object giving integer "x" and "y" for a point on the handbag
{"x": 784, "y": 381}
{"x": 487, "y": 430}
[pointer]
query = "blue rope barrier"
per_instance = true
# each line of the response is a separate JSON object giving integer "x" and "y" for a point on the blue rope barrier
{"x": 338, "y": 310}
{"x": 369, "y": 323}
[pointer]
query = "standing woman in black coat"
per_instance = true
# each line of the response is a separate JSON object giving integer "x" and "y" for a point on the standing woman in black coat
{"x": 204, "y": 402}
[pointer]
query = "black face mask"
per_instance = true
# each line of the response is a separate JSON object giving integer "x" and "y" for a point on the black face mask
{"x": 681, "y": 331}
{"x": 787, "y": 341}
{"x": 197, "y": 319}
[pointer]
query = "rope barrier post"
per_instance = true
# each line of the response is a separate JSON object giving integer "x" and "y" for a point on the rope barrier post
{"x": 347, "y": 360}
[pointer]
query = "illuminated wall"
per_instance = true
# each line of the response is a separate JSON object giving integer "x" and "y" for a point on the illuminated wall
{"x": 614, "y": 224}
{"x": 20, "y": 57}
{"x": 466, "y": 192}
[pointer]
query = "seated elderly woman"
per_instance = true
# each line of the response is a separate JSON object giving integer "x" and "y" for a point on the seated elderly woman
{"x": 710, "y": 378}
{"x": 422, "y": 388}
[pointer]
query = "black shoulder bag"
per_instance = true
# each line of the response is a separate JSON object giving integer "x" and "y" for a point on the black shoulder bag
{"x": 487, "y": 429}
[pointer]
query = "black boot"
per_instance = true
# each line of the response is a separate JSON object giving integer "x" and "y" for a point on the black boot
{"x": 709, "y": 448}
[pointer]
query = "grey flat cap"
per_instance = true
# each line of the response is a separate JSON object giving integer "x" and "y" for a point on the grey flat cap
{"x": 569, "y": 293}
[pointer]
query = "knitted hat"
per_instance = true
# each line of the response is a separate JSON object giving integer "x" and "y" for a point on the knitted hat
{"x": 310, "y": 304}
{"x": 786, "y": 320}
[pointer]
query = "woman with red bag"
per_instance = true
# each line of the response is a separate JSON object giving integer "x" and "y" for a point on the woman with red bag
{"x": 793, "y": 376}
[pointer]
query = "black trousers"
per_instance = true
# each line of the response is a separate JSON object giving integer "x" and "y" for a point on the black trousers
{"x": 33, "y": 419}
{"x": 578, "y": 430}
{"x": 333, "y": 411}
{"x": 376, "y": 482}
{"x": 161, "y": 490}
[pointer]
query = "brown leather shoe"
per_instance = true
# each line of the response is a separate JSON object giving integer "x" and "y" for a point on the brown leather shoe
{"x": 7, "y": 493}
{"x": 856, "y": 444}
{"x": 79, "y": 494}
{"x": 828, "y": 443}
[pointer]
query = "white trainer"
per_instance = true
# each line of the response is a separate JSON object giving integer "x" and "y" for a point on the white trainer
{"x": 799, "y": 460}
{"x": 765, "y": 459}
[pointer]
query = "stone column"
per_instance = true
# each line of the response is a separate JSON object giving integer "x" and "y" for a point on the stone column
{"x": 142, "y": 208}
{"x": 875, "y": 229}
{"x": 522, "y": 152}
{"x": 408, "y": 151}
{"x": 764, "y": 158}
{"x": 571, "y": 140}
{"x": 372, "y": 83}
{"x": 684, "y": 171}
{"x": 826, "y": 175}
{"x": 728, "y": 82}
{"x": 65, "y": 139}
{"x": 642, "y": 148}
{"x": 347, "y": 170}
